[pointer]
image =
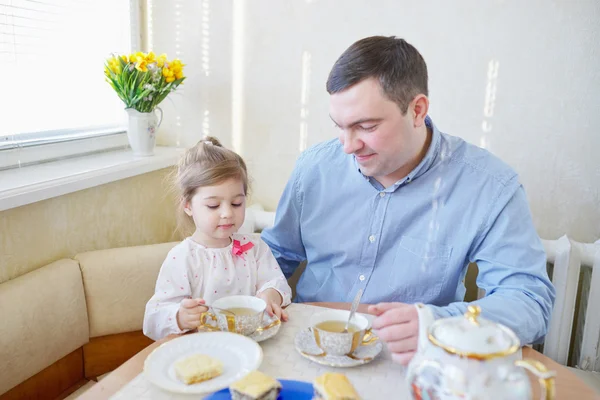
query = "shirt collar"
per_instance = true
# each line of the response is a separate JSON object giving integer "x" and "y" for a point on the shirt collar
{"x": 423, "y": 166}
{"x": 432, "y": 152}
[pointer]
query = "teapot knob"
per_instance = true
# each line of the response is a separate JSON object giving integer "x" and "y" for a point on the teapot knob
{"x": 472, "y": 314}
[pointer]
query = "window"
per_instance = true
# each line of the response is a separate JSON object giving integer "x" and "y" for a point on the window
{"x": 54, "y": 101}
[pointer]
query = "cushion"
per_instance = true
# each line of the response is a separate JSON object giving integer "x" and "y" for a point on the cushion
{"x": 118, "y": 283}
{"x": 44, "y": 318}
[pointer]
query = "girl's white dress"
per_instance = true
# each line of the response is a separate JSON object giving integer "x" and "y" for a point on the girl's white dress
{"x": 194, "y": 271}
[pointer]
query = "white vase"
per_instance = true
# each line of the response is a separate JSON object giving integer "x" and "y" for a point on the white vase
{"x": 141, "y": 131}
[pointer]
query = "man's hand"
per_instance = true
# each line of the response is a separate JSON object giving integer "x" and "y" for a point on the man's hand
{"x": 273, "y": 300}
{"x": 397, "y": 324}
{"x": 188, "y": 315}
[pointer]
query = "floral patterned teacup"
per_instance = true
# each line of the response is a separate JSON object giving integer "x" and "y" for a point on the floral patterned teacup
{"x": 238, "y": 314}
{"x": 339, "y": 343}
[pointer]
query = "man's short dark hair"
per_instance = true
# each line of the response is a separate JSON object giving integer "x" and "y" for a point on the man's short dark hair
{"x": 396, "y": 64}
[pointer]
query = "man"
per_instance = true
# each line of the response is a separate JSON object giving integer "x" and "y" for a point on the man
{"x": 400, "y": 209}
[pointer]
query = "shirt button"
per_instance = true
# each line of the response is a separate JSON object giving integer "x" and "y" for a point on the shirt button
{"x": 372, "y": 238}
{"x": 381, "y": 194}
{"x": 362, "y": 278}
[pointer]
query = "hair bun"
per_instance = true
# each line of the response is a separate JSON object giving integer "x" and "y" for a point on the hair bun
{"x": 211, "y": 140}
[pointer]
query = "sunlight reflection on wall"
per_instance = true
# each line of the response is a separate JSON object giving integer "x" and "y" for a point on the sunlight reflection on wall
{"x": 178, "y": 54}
{"x": 237, "y": 66}
{"x": 304, "y": 98}
{"x": 205, "y": 50}
{"x": 149, "y": 25}
{"x": 489, "y": 102}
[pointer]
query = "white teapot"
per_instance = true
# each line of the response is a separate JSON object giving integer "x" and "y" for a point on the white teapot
{"x": 471, "y": 358}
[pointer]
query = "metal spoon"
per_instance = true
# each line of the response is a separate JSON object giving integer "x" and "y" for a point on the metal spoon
{"x": 355, "y": 303}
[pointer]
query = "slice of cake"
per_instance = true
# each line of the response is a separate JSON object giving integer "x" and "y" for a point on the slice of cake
{"x": 198, "y": 368}
{"x": 334, "y": 386}
{"x": 255, "y": 386}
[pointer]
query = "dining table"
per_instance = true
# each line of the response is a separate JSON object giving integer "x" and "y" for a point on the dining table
{"x": 378, "y": 379}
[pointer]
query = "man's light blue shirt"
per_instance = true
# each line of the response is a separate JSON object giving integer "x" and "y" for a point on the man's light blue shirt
{"x": 412, "y": 242}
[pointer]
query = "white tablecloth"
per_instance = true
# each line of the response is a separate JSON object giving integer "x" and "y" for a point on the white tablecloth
{"x": 379, "y": 379}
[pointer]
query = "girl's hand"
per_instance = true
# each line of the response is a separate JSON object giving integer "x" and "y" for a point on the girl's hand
{"x": 273, "y": 300}
{"x": 188, "y": 315}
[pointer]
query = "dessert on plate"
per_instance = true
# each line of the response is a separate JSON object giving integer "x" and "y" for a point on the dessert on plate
{"x": 334, "y": 386}
{"x": 255, "y": 386}
{"x": 198, "y": 368}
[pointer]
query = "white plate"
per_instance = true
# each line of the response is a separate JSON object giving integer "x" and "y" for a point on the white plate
{"x": 239, "y": 355}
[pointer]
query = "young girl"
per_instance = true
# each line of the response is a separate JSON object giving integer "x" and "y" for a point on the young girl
{"x": 215, "y": 261}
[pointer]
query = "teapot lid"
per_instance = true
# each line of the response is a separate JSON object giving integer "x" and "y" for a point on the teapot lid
{"x": 473, "y": 336}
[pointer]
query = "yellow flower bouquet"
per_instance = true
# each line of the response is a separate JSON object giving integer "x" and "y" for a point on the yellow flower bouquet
{"x": 143, "y": 80}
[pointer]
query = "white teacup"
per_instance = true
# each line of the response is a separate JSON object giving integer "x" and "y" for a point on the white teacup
{"x": 339, "y": 344}
{"x": 224, "y": 320}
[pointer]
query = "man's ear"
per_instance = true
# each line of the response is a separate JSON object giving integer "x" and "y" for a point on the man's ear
{"x": 419, "y": 108}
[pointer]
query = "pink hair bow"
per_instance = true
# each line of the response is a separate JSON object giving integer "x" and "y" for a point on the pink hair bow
{"x": 239, "y": 249}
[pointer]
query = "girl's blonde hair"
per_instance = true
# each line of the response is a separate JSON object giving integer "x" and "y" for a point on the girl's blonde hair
{"x": 208, "y": 163}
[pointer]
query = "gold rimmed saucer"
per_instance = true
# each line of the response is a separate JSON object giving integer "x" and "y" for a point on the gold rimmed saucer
{"x": 270, "y": 327}
{"x": 307, "y": 347}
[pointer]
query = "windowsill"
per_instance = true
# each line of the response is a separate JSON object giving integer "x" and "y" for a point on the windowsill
{"x": 21, "y": 186}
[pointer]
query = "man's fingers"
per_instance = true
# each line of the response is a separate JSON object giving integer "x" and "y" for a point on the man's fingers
{"x": 372, "y": 309}
{"x": 403, "y": 346}
{"x": 395, "y": 332}
{"x": 403, "y": 358}
{"x": 398, "y": 315}
{"x": 380, "y": 308}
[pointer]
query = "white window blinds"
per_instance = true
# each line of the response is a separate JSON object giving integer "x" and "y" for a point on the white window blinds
{"x": 51, "y": 63}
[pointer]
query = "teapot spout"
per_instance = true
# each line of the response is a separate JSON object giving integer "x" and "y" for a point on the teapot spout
{"x": 426, "y": 319}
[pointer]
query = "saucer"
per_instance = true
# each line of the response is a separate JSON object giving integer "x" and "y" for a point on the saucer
{"x": 271, "y": 323}
{"x": 307, "y": 347}
{"x": 270, "y": 328}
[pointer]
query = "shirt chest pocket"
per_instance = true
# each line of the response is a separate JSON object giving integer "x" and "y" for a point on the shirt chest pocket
{"x": 419, "y": 270}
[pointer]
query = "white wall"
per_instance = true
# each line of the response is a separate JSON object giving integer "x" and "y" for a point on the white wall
{"x": 519, "y": 78}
